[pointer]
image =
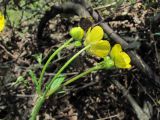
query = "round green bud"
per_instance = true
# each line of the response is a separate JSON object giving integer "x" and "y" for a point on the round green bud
{"x": 78, "y": 43}
{"x": 77, "y": 33}
{"x": 108, "y": 63}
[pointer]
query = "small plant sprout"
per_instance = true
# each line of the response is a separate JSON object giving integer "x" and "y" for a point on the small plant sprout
{"x": 2, "y": 22}
{"x": 38, "y": 58}
{"x": 98, "y": 47}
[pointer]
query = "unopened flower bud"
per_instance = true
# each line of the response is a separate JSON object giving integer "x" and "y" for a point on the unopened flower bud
{"x": 77, "y": 33}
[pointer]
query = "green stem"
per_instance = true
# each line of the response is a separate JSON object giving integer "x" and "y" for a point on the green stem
{"x": 63, "y": 67}
{"x": 37, "y": 107}
{"x": 48, "y": 61}
{"x": 41, "y": 99}
{"x": 82, "y": 74}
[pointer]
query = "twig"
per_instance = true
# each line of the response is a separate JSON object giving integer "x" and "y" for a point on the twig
{"x": 140, "y": 113}
{"x": 105, "y": 6}
{"x": 110, "y": 117}
{"x": 144, "y": 89}
{"x": 20, "y": 95}
{"x": 10, "y": 54}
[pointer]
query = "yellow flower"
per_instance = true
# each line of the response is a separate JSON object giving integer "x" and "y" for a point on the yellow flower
{"x": 98, "y": 47}
{"x": 77, "y": 33}
{"x": 121, "y": 59}
{"x": 2, "y": 22}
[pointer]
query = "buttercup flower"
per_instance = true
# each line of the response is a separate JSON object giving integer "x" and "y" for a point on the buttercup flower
{"x": 77, "y": 33}
{"x": 120, "y": 58}
{"x": 2, "y": 22}
{"x": 98, "y": 47}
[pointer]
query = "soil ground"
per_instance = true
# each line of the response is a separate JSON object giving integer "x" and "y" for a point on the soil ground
{"x": 93, "y": 97}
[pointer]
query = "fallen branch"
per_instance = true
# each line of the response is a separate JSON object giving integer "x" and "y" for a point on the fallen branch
{"x": 139, "y": 112}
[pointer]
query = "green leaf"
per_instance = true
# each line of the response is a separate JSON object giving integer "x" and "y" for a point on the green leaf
{"x": 38, "y": 58}
{"x": 55, "y": 85}
{"x": 14, "y": 16}
{"x": 34, "y": 78}
{"x": 19, "y": 80}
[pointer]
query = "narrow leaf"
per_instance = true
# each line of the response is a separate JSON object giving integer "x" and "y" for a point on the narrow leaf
{"x": 34, "y": 78}
{"x": 55, "y": 85}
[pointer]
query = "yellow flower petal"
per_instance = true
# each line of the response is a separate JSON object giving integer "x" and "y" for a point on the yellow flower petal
{"x": 88, "y": 31}
{"x": 116, "y": 49}
{"x": 93, "y": 35}
{"x": 100, "y": 48}
{"x": 121, "y": 59}
{"x": 2, "y": 22}
{"x": 126, "y": 57}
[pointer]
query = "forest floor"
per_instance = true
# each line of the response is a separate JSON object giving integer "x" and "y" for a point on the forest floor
{"x": 94, "y": 97}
